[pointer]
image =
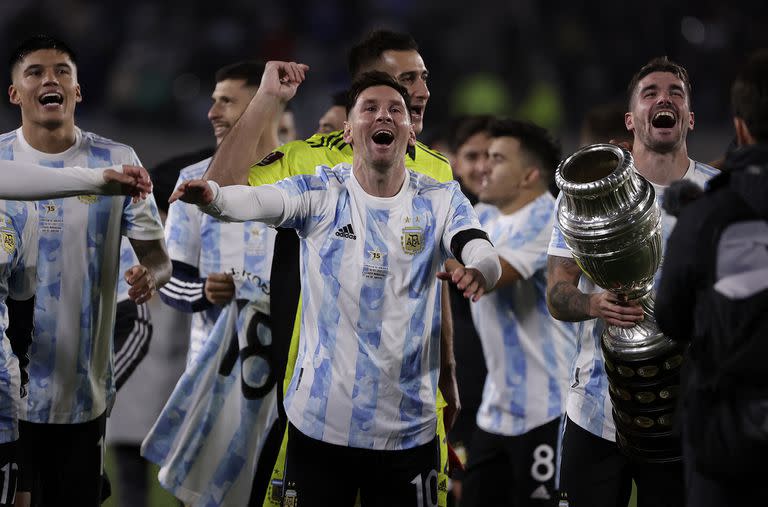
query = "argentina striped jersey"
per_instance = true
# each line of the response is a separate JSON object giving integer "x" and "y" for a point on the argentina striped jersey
{"x": 79, "y": 251}
{"x": 243, "y": 250}
{"x": 369, "y": 355}
{"x": 528, "y": 353}
{"x": 18, "y": 255}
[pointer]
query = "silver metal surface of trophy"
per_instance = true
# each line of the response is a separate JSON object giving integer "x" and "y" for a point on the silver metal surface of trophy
{"x": 611, "y": 222}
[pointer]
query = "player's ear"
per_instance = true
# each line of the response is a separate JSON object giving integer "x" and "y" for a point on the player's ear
{"x": 411, "y": 136}
{"x": 13, "y": 95}
{"x": 347, "y": 133}
{"x": 629, "y": 122}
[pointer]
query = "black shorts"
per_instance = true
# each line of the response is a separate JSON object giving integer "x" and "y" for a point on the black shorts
{"x": 9, "y": 472}
{"x": 62, "y": 464}
{"x": 594, "y": 473}
{"x": 516, "y": 471}
{"x": 321, "y": 474}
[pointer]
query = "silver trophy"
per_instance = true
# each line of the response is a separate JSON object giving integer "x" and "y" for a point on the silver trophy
{"x": 611, "y": 222}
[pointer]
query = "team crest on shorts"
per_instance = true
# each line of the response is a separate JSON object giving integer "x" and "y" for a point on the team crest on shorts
{"x": 87, "y": 199}
{"x": 9, "y": 241}
{"x": 290, "y": 498}
{"x": 412, "y": 240}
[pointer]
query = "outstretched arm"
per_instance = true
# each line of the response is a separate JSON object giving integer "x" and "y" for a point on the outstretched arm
{"x": 24, "y": 181}
{"x": 255, "y": 133}
{"x": 235, "y": 203}
{"x": 566, "y": 302}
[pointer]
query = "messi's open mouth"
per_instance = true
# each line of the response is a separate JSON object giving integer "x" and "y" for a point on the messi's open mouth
{"x": 384, "y": 137}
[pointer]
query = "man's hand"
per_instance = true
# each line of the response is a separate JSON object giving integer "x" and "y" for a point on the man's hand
{"x": 194, "y": 192}
{"x": 133, "y": 181}
{"x": 282, "y": 79}
{"x": 219, "y": 288}
{"x": 470, "y": 280}
{"x": 605, "y": 305}
{"x": 142, "y": 284}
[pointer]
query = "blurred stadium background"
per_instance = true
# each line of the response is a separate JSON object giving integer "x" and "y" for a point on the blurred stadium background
{"x": 146, "y": 67}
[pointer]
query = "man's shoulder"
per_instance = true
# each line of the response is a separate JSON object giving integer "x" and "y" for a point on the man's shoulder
{"x": 336, "y": 176}
{"x": 424, "y": 183}
{"x": 329, "y": 148}
{"x": 700, "y": 215}
{"x": 195, "y": 171}
{"x": 97, "y": 142}
{"x": 300, "y": 157}
{"x": 8, "y": 137}
{"x": 430, "y": 162}
{"x": 324, "y": 178}
{"x": 703, "y": 172}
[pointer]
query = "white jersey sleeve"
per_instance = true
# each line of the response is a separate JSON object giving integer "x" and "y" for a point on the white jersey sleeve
{"x": 182, "y": 226}
{"x": 25, "y": 181}
{"x": 526, "y": 249}
{"x": 141, "y": 219}
{"x": 461, "y": 217}
{"x": 23, "y": 280}
{"x": 557, "y": 245}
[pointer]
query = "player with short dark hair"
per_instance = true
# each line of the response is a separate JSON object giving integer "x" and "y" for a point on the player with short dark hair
{"x": 71, "y": 384}
{"x": 660, "y": 118}
{"x": 514, "y": 455}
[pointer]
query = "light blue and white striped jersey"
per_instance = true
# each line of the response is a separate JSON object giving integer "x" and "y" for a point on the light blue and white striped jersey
{"x": 241, "y": 249}
{"x": 528, "y": 353}
{"x": 589, "y": 404}
{"x": 18, "y": 255}
{"x": 369, "y": 355}
{"x": 209, "y": 436}
{"x": 79, "y": 252}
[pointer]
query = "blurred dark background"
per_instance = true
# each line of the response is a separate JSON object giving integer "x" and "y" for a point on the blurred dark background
{"x": 146, "y": 68}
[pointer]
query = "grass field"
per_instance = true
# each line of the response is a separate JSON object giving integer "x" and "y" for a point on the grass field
{"x": 158, "y": 497}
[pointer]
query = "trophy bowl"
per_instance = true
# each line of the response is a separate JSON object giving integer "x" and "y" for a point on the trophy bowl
{"x": 611, "y": 222}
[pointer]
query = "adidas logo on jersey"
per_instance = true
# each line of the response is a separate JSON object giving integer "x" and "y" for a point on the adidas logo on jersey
{"x": 346, "y": 232}
{"x": 540, "y": 493}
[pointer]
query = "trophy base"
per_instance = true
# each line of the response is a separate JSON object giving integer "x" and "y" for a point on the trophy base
{"x": 643, "y": 368}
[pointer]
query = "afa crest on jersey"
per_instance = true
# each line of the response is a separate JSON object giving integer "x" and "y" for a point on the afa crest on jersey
{"x": 9, "y": 241}
{"x": 412, "y": 240}
{"x": 87, "y": 199}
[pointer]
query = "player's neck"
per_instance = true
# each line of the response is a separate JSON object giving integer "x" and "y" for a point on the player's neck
{"x": 661, "y": 168}
{"x": 522, "y": 200}
{"x": 380, "y": 183}
{"x": 49, "y": 140}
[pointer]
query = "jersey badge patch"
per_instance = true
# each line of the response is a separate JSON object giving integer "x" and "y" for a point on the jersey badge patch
{"x": 87, "y": 199}
{"x": 412, "y": 240}
{"x": 271, "y": 158}
{"x": 9, "y": 241}
{"x": 375, "y": 266}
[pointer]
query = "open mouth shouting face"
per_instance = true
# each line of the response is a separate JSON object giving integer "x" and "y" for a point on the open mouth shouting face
{"x": 379, "y": 127}
{"x": 408, "y": 68}
{"x": 44, "y": 85}
{"x": 661, "y": 115}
